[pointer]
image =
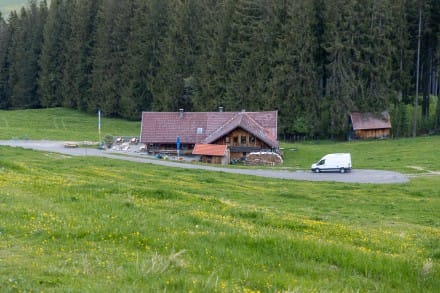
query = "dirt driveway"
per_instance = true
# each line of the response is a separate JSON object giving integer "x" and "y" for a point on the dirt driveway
{"x": 355, "y": 176}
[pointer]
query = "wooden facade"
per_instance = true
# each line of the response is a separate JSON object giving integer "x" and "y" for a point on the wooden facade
{"x": 370, "y": 125}
{"x": 372, "y": 133}
{"x": 240, "y": 143}
{"x": 213, "y": 160}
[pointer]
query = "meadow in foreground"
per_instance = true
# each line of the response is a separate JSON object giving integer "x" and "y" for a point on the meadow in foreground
{"x": 95, "y": 224}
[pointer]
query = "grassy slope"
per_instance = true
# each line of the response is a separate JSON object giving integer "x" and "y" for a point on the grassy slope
{"x": 405, "y": 155}
{"x": 61, "y": 124}
{"x": 141, "y": 227}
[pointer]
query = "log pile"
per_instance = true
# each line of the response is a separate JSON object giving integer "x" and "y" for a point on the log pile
{"x": 264, "y": 158}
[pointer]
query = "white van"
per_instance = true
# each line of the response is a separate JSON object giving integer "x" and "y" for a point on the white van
{"x": 333, "y": 162}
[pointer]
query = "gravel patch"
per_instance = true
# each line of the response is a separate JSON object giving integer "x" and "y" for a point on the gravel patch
{"x": 355, "y": 176}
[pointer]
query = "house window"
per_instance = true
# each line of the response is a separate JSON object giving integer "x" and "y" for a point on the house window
{"x": 243, "y": 140}
{"x": 235, "y": 139}
{"x": 252, "y": 140}
{"x": 227, "y": 139}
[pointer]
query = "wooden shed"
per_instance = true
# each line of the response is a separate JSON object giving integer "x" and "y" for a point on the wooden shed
{"x": 370, "y": 125}
{"x": 212, "y": 153}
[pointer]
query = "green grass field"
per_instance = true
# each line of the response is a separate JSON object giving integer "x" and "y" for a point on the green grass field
{"x": 404, "y": 155}
{"x": 61, "y": 124}
{"x": 95, "y": 224}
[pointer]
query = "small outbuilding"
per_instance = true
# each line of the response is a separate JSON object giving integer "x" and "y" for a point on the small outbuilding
{"x": 212, "y": 153}
{"x": 370, "y": 125}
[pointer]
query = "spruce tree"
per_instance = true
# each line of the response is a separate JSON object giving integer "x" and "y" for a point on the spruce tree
{"x": 401, "y": 67}
{"x": 78, "y": 63}
{"x": 179, "y": 50}
{"x": 24, "y": 52}
{"x": 211, "y": 70}
{"x": 372, "y": 62}
{"x": 341, "y": 83}
{"x": 431, "y": 43}
{"x": 19, "y": 71}
{"x": 109, "y": 56}
{"x": 294, "y": 80}
{"x": 52, "y": 60}
{"x": 246, "y": 54}
{"x": 4, "y": 70}
{"x": 146, "y": 28}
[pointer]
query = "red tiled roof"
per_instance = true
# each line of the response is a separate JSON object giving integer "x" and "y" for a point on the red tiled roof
{"x": 363, "y": 121}
{"x": 206, "y": 127}
{"x": 247, "y": 123}
{"x": 210, "y": 149}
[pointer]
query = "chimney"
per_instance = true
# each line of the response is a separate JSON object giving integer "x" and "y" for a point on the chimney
{"x": 181, "y": 113}
{"x": 220, "y": 109}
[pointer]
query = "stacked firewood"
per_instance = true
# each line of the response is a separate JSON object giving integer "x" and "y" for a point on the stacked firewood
{"x": 264, "y": 158}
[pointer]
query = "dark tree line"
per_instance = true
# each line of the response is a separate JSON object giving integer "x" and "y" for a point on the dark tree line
{"x": 313, "y": 60}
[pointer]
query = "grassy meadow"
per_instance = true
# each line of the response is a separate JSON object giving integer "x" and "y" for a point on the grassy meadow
{"x": 405, "y": 155}
{"x": 61, "y": 124}
{"x": 86, "y": 224}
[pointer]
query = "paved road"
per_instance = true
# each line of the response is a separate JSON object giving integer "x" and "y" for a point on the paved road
{"x": 355, "y": 176}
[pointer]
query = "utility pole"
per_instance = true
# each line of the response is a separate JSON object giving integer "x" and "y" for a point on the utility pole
{"x": 99, "y": 126}
{"x": 416, "y": 99}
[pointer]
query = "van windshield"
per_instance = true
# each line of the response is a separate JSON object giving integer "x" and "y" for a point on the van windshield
{"x": 322, "y": 162}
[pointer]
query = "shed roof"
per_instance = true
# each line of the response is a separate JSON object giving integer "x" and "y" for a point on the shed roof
{"x": 210, "y": 150}
{"x": 364, "y": 121}
{"x": 206, "y": 127}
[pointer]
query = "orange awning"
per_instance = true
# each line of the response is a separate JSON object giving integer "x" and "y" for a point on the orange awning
{"x": 210, "y": 150}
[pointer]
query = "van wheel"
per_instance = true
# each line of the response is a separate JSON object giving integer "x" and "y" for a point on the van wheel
{"x": 317, "y": 170}
{"x": 342, "y": 170}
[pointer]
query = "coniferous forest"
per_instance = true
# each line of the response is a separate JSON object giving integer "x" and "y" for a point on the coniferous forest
{"x": 314, "y": 61}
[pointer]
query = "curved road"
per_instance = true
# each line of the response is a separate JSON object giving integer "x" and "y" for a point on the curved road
{"x": 355, "y": 176}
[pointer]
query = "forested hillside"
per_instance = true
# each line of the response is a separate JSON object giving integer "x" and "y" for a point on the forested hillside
{"x": 313, "y": 60}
